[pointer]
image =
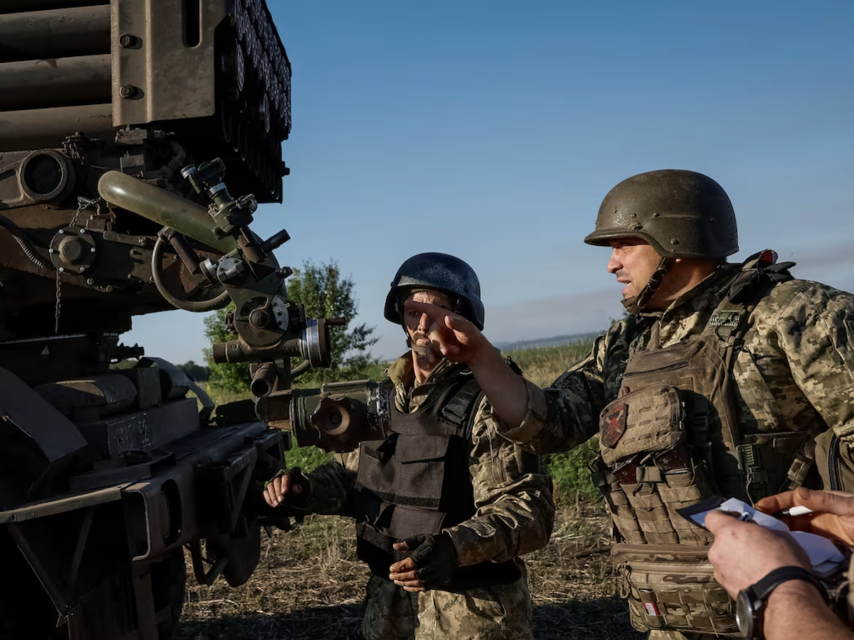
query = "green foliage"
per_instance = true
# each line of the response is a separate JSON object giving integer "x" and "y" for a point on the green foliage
{"x": 326, "y": 294}
{"x": 543, "y": 366}
{"x": 571, "y": 473}
{"x": 196, "y": 371}
{"x": 307, "y": 458}
{"x": 228, "y": 377}
{"x": 124, "y": 364}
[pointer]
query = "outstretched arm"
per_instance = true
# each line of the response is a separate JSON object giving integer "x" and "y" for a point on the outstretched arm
{"x": 328, "y": 490}
{"x": 541, "y": 420}
{"x": 461, "y": 341}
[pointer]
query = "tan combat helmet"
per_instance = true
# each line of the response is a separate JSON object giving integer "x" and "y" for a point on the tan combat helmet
{"x": 682, "y": 214}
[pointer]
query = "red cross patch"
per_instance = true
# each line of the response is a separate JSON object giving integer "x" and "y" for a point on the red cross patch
{"x": 613, "y": 425}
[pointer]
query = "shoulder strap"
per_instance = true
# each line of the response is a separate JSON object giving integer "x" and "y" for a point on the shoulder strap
{"x": 729, "y": 324}
{"x": 456, "y": 410}
{"x": 758, "y": 275}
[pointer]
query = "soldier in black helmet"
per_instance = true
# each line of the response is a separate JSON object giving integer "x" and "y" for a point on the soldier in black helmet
{"x": 731, "y": 380}
{"x": 444, "y": 505}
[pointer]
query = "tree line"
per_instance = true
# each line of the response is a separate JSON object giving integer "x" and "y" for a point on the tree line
{"x": 325, "y": 293}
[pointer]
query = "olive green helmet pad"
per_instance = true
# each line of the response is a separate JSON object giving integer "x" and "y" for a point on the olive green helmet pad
{"x": 682, "y": 214}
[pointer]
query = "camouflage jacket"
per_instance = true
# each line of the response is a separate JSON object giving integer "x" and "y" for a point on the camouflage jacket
{"x": 515, "y": 512}
{"x": 794, "y": 372}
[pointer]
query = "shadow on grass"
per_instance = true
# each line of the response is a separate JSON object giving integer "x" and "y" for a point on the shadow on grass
{"x": 605, "y": 619}
{"x": 318, "y": 623}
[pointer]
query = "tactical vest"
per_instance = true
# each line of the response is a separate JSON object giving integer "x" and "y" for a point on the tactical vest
{"x": 671, "y": 439}
{"x": 417, "y": 481}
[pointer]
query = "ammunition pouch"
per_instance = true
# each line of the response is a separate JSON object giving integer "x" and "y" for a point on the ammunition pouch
{"x": 835, "y": 461}
{"x": 674, "y": 588}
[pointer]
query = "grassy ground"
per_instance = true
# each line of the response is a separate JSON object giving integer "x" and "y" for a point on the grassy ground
{"x": 309, "y": 583}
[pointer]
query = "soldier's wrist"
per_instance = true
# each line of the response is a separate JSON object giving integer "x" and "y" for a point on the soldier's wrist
{"x": 795, "y": 597}
{"x": 486, "y": 358}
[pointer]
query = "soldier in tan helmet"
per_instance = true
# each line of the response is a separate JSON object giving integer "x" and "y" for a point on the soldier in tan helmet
{"x": 723, "y": 379}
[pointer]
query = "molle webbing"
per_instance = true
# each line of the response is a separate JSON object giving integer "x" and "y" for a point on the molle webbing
{"x": 656, "y": 461}
{"x": 673, "y": 588}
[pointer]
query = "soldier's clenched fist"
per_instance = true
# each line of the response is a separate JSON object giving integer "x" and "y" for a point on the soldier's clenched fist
{"x": 289, "y": 487}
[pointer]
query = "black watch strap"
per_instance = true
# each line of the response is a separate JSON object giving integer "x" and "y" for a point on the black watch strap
{"x": 763, "y": 588}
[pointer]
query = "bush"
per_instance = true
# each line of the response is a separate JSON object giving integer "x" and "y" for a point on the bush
{"x": 307, "y": 458}
{"x": 571, "y": 473}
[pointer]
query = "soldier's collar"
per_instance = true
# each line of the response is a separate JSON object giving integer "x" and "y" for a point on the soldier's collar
{"x": 713, "y": 282}
{"x": 402, "y": 371}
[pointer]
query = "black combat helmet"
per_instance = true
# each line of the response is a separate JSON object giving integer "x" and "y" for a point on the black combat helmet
{"x": 682, "y": 214}
{"x": 446, "y": 274}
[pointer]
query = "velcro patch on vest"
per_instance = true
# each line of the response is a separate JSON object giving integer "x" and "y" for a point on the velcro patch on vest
{"x": 725, "y": 319}
{"x": 615, "y": 426}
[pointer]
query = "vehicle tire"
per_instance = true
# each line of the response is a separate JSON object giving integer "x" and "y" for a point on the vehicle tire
{"x": 168, "y": 581}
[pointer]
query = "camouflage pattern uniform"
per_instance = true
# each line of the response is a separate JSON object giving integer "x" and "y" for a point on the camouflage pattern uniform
{"x": 514, "y": 516}
{"x": 794, "y": 372}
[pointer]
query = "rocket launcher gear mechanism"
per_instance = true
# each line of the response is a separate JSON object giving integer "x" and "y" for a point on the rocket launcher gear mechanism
{"x": 269, "y": 327}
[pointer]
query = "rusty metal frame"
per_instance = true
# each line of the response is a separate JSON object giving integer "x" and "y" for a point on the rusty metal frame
{"x": 149, "y": 75}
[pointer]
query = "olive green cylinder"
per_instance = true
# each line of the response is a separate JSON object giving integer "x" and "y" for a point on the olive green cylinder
{"x": 164, "y": 208}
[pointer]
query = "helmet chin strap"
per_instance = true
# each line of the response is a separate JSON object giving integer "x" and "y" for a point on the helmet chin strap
{"x": 636, "y": 304}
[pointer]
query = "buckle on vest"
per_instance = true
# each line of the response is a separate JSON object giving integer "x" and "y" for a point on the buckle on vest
{"x": 756, "y": 476}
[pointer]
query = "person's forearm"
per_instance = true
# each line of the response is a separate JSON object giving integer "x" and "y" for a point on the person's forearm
{"x": 510, "y": 527}
{"x": 796, "y": 611}
{"x": 331, "y": 490}
{"x": 505, "y": 390}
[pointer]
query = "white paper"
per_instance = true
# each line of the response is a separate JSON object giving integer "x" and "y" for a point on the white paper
{"x": 823, "y": 554}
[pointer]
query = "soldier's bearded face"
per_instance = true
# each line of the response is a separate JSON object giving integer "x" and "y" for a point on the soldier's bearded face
{"x": 633, "y": 261}
{"x": 422, "y": 331}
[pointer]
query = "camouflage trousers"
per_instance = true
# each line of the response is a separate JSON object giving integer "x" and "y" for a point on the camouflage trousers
{"x": 498, "y": 612}
{"x": 677, "y": 635}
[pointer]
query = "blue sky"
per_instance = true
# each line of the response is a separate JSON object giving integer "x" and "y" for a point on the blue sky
{"x": 492, "y": 131}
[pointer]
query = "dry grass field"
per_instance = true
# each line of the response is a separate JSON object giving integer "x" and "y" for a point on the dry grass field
{"x": 309, "y": 584}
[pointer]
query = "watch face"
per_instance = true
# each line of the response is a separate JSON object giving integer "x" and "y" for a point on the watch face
{"x": 744, "y": 614}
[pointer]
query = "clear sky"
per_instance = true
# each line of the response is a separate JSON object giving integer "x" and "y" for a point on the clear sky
{"x": 492, "y": 130}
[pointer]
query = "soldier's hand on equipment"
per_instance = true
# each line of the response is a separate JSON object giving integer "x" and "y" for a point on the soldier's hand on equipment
{"x": 744, "y": 553}
{"x": 832, "y": 517}
{"x": 459, "y": 340}
{"x": 430, "y": 566}
{"x": 289, "y": 487}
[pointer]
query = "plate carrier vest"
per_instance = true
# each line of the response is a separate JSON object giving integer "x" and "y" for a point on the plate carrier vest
{"x": 417, "y": 481}
{"x": 671, "y": 439}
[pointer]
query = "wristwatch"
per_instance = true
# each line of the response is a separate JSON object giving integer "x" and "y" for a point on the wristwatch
{"x": 751, "y": 602}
